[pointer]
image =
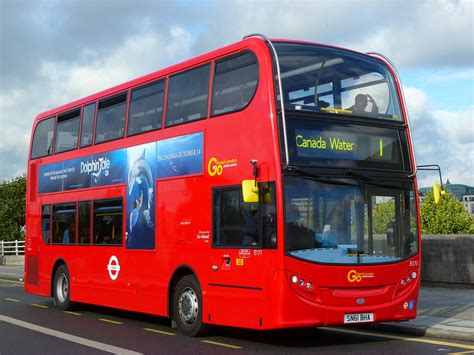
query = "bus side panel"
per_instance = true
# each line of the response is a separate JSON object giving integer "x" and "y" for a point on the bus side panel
{"x": 35, "y": 279}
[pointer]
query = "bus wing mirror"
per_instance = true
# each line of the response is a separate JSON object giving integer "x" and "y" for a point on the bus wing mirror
{"x": 249, "y": 191}
{"x": 437, "y": 194}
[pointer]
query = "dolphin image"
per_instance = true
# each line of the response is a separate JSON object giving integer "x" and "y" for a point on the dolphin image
{"x": 141, "y": 170}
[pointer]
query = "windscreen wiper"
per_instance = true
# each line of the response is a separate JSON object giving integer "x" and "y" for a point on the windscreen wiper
{"x": 370, "y": 180}
{"x": 352, "y": 173}
{"x": 302, "y": 171}
{"x": 328, "y": 179}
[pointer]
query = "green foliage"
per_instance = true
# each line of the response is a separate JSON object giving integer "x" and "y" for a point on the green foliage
{"x": 449, "y": 217}
{"x": 382, "y": 215}
{"x": 12, "y": 208}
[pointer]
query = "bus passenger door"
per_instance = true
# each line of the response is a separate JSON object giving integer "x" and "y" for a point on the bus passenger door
{"x": 243, "y": 257}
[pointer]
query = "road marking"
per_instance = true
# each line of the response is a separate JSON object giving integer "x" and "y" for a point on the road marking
{"x": 68, "y": 337}
{"x": 10, "y": 274}
{"x": 158, "y": 331}
{"x": 17, "y": 282}
{"x": 12, "y": 299}
{"x": 221, "y": 344}
{"x": 39, "y": 305}
{"x": 110, "y": 321}
{"x": 73, "y": 313}
{"x": 463, "y": 353}
{"x": 418, "y": 340}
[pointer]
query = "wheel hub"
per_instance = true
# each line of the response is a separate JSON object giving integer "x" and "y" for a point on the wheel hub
{"x": 62, "y": 288}
{"x": 188, "y": 306}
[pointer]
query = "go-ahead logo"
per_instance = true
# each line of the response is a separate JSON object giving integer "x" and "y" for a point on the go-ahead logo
{"x": 354, "y": 276}
{"x": 216, "y": 167}
{"x": 213, "y": 168}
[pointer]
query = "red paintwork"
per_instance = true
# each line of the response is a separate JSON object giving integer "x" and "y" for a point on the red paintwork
{"x": 183, "y": 211}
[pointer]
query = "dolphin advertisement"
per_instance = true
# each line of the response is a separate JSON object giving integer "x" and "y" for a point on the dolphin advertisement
{"x": 140, "y": 196}
{"x": 179, "y": 156}
{"x": 94, "y": 170}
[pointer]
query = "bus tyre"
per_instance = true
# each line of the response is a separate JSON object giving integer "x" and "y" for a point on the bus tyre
{"x": 61, "y": 288}
{"x": 187, "y": 307}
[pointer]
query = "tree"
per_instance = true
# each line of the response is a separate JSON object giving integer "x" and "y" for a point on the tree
{"x": 383, "y": 214}
{"x": 12, "y": 208}
{"x": 449, "y": 217}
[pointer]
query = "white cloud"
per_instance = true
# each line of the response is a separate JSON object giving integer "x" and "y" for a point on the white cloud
{"x": 62, "y": 82}
{"x": 416, "y": 102}
{"x": 136, "y": 56}
{"x": 467, "y": 74}
{"x": 458, "y": 125}
{"x": 442, "y": 137}
{"x": 421, "y": 33}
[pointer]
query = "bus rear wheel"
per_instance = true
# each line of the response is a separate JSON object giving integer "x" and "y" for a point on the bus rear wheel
{"x": 61, "y": 288}
{"x": 187, "y": 307}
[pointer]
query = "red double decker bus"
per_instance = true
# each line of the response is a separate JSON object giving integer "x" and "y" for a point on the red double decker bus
{"x": 268, "y": 184}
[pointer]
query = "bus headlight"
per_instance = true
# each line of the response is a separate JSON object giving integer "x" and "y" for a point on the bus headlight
{"x": 303, "y": 285}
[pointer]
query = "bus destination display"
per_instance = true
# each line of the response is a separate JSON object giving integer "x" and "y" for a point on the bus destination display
{"x": 343, "y": 145}
{"x": 325, "y": 144}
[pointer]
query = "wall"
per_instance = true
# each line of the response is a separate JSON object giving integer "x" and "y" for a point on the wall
{"x": 12, "y": 260}
{"x": 448, "y": 258}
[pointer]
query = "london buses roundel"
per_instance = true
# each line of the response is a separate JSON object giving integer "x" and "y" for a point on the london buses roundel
{"x": 113, "y": 267}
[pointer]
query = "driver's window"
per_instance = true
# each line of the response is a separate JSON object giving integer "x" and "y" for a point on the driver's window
{"x": 385, "y": 229}
{"x": 242, "y": 224}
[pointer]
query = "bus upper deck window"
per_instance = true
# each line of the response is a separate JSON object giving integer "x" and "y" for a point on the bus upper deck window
{"x": 88, "y": 114}
{"x": 43, "y": 139}
{"x": 235, "y": 82}
{"x": 187, "y": 96}
{"x": 329, "y": 80}
{"x": 111, "y": 119}
{"x": 146, "y": 108}
{"x": 67, "y": 131}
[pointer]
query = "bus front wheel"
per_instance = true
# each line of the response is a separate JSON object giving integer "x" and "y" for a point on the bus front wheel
{"x": 61, "y": 288}
{"x": 187, "y": 307}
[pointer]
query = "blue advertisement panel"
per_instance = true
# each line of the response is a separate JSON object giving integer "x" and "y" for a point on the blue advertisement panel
{"x": 50, "y": 178}
{"x": 107, "y": 168}
{"x": 76, "y": 179}
{"x": 179, "y": 156}
{"x": 93, "y": 170}
{"x": 141, "y": 176}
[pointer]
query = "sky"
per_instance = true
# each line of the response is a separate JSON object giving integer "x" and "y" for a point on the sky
{"x": 53, "y": 52}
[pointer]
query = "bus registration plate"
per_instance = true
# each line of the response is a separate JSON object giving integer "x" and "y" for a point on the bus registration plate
{"x": 358, "y": 318}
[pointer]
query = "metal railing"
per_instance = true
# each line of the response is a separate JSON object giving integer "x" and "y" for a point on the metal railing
{"x": 16, "y": 247}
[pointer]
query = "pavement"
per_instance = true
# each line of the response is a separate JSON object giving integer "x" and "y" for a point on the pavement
{"x": 446, "y": 313}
